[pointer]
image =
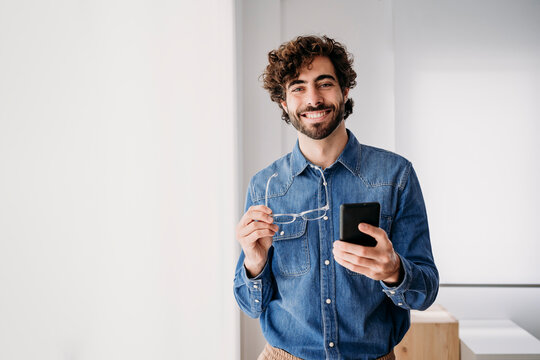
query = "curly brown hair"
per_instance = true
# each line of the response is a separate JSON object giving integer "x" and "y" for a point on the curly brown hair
{"x": 285, "y": 63}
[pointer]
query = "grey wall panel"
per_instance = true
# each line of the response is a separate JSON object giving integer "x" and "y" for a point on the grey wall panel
{"x": 467, "y": 110}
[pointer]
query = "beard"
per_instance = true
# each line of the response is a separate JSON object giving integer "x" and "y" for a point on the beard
{"x": 321, "y": 130}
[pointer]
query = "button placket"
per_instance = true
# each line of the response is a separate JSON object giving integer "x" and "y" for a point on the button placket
{"x": 327, "y": 279}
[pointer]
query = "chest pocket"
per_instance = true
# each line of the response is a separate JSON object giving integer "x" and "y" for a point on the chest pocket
{"x": 291, "y": 251}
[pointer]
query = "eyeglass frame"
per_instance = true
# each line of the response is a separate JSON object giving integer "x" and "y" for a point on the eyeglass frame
{"x": 302, "y": 215}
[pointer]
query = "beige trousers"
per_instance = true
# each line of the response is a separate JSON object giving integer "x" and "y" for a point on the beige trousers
{"x": 271, "y": 353}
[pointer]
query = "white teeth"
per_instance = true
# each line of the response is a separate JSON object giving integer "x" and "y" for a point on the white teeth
{"x": 315, "y": 115}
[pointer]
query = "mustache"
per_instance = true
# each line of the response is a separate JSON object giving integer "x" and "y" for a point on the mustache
{"x": 321, "y": 107}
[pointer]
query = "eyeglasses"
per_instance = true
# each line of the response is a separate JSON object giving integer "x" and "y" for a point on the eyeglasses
{"x": 314, "y": 214}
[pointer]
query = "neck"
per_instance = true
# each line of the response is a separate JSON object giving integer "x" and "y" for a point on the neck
{"x": 324, "y": 152}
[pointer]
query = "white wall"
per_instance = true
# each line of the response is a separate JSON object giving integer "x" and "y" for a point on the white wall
{"x": 117, "y": 180}
{"x": 431, "y": 74}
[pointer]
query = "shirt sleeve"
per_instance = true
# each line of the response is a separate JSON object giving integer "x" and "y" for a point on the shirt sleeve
{"x": 410, "y": 238}
{"x": 253, "y": 294}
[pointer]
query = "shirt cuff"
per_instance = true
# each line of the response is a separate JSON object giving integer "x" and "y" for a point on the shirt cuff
{"x": 255, "y": 286}
{"x": 397, "y": 293}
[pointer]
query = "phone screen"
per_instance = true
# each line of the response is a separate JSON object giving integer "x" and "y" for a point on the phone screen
{"x": 353, "y": 214}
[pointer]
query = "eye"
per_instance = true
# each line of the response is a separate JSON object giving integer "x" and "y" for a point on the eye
{"x": 326, "y": 85}
{"x": 297, "y": 89}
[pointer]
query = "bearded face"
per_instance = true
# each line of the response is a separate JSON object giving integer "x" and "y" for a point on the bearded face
{"x": 314, "y": 100}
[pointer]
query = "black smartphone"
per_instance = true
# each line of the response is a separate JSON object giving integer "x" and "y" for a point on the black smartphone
{"x": 350, "y": 215}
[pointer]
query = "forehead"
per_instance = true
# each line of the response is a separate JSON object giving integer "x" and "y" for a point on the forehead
{"x": 319, "y": 66}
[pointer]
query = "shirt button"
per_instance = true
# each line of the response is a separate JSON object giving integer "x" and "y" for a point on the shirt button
{"x": 325, "y": 217}
{"x": 255, "y": 287}
{"x": 331, "y": 344}
{"x": 256, "y": 300}
{"x": 392, "y": 292}
{"x": 328, "y": 301}
{"x": 326, "y": 262}
{"x": 281, "y": 233}
{"x": 400, "y": 304}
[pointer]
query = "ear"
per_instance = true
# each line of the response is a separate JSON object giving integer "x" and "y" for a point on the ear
{"x": 345, "y": 94}
{"x": 284, "y": 106}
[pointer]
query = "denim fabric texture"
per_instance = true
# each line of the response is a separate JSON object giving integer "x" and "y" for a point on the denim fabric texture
{"x": 308, "y": 304}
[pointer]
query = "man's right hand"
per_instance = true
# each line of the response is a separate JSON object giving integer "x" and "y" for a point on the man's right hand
{"x": 254, "y": 233}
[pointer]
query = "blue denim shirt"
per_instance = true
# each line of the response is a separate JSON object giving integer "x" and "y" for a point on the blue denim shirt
{"x": 308, "y": 304}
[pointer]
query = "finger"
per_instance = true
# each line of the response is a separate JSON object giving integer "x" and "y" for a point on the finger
{"x": 374, "y": 231}
{"x": 354, "y": 259}
{"x": 355, "y": 268}
{"x": 355, "y": 249}
{"x": 369, "y": 229}
{"x": 256, "y": 214}
{"x": 262, "y": 208}
{"x": 259, "y": 234}
{"x": 257, "y": 225}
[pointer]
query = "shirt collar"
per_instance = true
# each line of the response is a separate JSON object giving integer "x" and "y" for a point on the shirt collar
{"x": 351, "y": 154}
{"x": 349, "y": 157}
{"x": 298, "y": 161}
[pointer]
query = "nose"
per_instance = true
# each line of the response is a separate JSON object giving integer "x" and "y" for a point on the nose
{"x": 313, "y": 96}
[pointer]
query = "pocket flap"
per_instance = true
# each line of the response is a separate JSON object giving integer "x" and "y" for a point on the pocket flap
{"x": 290, "y": 231}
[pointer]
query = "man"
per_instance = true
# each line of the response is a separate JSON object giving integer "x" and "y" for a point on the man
{"x": 318, "y": 297}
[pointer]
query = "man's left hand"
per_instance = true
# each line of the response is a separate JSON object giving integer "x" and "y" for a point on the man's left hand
{"x": 378, "y": 263}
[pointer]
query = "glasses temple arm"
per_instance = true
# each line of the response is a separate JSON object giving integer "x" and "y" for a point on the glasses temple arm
{"x": 266, "y": 192}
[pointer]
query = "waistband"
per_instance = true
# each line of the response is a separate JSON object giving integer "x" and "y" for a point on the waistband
{"x": 272, "y": 353}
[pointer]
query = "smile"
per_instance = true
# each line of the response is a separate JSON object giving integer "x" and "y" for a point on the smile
{"x": 315, "y": 115}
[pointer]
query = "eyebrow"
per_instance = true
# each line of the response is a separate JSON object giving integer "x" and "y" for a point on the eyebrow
{"x": 318, "y": 78}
